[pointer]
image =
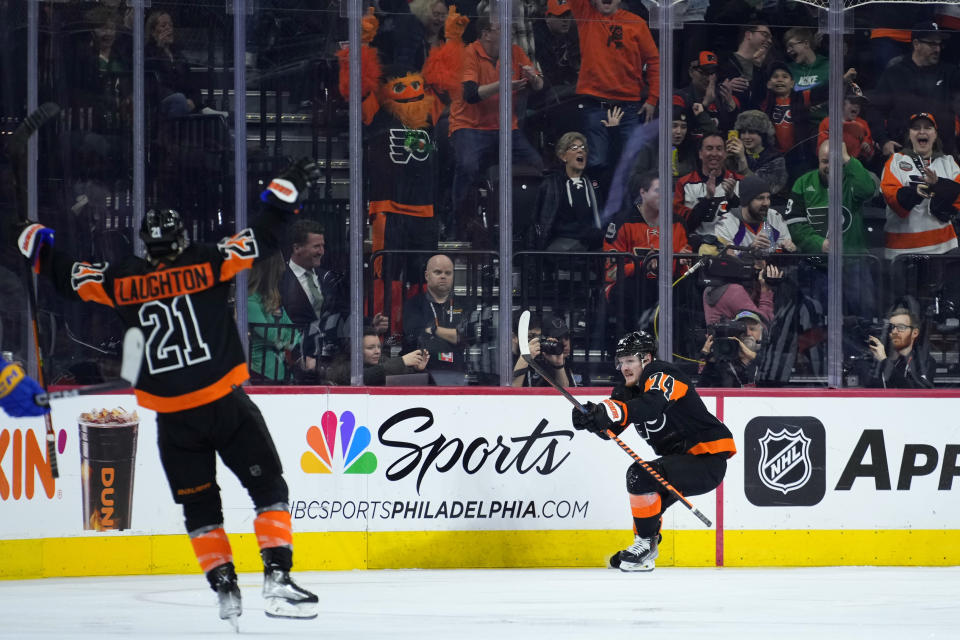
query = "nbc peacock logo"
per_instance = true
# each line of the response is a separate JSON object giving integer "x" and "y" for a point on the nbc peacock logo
{"x": 354, "y": 441}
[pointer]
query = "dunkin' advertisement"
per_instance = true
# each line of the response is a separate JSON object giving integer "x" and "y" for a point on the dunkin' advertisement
{"x": 108, "y": 452}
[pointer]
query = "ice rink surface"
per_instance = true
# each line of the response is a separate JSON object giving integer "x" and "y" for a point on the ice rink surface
{"x": 502, "y": 604}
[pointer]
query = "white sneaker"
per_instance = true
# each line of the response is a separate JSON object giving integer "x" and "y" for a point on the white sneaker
{"x": 639, "y": 556}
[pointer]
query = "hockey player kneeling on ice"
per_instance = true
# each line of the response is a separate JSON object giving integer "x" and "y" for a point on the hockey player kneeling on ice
{"x": 192, "y": 374}
{"x": 693, "y": 445}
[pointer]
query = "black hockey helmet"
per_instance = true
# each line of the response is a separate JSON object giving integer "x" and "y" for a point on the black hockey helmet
{"x": 637, "y": 343}
{"x": 163, "y": 232}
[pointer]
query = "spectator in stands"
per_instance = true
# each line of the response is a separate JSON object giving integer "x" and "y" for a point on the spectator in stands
{"x": 103, "y": 77}
{"x": 683, "y": 150}
{"x": 713, "y": 112}
{"x": 638, "y": 232}
{"x": 726, "y": 367}
{"x": 559, "y": 49}
{"x": 920, "y": 187}
{"x": 273, "y": 337}
{"x": 701, "y": 195}
{"x": 405, "y": 38}
{"x": 548, "y": 348}
{"x": 375, "y": 367}
{"x": 620, "y": 66}
{"x": 789, "y": 111}
{"x": 808, "y": 68}
{"x": 806, "y": 212}
{"x": 918, "y": 83}
{"x": 807, "y": 219}
{"x": 312, "y": 295}
{"x": 568, "y": 213}
{"x": 754, "y": 151}
{"x": 168, "y": 72}
{"x": 856, "y": 132}
{"x": 754, "y": 224}
{"x": 906, "y": 366}
{"x": 739, "y": 75}
{"x": 432, "y": 320}
{"x": 474, "y": 120}
{"x": 559, "y": 58}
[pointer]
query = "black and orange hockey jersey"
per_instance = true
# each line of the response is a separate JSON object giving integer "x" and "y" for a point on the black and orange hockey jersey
{"x": 402, "y": 166}
{"x": 192, "y": 350}
{"x": 669, "y": 414}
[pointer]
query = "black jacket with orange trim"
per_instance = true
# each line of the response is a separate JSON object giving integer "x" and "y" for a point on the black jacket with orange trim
{"x": 669, "y": 414}
{"x": 192, "y": 351}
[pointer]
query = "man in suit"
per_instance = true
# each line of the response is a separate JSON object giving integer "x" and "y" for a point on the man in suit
{"x": 311, "y": 294}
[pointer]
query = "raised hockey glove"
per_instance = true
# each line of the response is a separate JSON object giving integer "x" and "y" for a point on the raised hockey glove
{"x": 17, "y": 392}
{"x": 32, "y": 240}
{"x": 288, "y": 189}
{"x": 609, "y": 414}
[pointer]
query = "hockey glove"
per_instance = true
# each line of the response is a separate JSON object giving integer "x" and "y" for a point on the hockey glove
{"x": 17, "y": 392}
{"x": 288, "y": 189}
{"x": 32, "y": 240}
{"x": 609, "y": 414}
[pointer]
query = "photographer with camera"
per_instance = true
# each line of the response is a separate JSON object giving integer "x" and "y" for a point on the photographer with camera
{"x": 730, "y": 351}
{"x": 550, "y": 346}
{"x": 906, "y": 367}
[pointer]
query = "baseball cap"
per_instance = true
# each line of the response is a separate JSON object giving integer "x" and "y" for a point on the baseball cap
{"x": 558, "y": 7}
{"x": 854, "y": 93}
{"x": 749, "y": 315}
{"x": 778, "y": 64}
{"x": 924, "y": 115}
{"x": 928, "y": 30}
{"x": 706, "y": 60}
{"x": 554, "y": 327}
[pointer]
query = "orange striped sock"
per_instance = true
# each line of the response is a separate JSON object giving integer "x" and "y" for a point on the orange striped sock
{"x": 645, "y": 505}
{"x": 273, "y": 529}
{"x": 212, "y": 549}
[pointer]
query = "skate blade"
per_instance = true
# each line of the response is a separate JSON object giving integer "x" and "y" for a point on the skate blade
{"x": 234, "y": 622}
{"x": 637, "y": 567}
{"x": 281, "y": 608}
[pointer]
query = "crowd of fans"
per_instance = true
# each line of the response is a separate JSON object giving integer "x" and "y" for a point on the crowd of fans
{"x": 750, "y": 164}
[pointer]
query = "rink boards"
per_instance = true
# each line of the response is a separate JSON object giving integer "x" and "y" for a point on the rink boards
{"x": 496, "y": 477}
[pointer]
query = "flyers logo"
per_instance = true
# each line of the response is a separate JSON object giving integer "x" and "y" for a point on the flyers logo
{"x": 670, "y": 387}
{"x": 86, "y": 272}
{"x": 242, "y": 245}
{"x": 407, "y": 144}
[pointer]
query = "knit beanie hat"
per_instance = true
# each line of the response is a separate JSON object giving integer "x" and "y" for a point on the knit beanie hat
{"x": 751, "y": 187}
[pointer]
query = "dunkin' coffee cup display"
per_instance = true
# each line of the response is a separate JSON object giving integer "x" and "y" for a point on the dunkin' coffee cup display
{"x": 108, "y": 449}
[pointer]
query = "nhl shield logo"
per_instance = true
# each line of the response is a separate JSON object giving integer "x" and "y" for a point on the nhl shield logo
{"x": 784, "y": 460}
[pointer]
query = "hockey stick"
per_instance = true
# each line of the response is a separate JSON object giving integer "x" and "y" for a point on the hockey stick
{"x": 17, "y": 147}
{"x": 129, "y": 372}
{"x": 524, "y": 343}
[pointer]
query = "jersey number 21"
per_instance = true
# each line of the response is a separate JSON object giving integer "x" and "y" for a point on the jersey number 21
{"x": 174, "y": 341}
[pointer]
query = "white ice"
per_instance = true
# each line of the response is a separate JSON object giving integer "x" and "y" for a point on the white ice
{"x": 502, "y": 604}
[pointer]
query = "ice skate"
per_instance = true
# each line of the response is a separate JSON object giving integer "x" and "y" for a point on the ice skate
{"x": 223, "y": 580}
{"x": 613, "y": 562}
{"x": 640, "y": 555}
{"x": 284, "y": 598}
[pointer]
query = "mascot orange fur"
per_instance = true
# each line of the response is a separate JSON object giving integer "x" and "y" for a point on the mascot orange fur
{"x": 400, "y": 108}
